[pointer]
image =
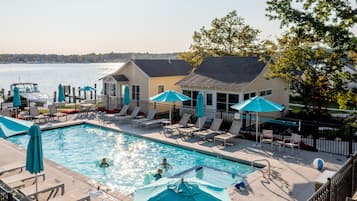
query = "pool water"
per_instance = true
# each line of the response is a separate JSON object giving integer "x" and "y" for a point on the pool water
{"x": 81, "y": 148}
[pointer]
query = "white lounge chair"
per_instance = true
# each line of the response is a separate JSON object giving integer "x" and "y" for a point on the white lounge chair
{"x": 149, "y": 117}
{"x": 182, "y": 123}
{"x": 213, "y": 130}
{"x": 294, "y": 141}
{"x": 35, "y": 114}
{"x": 151, "y": 123}
{"x": 122, "y": 112}
{"x": 233, "y": 132}
{"x": 52, "y": 186}
{"x": 12, "y": 167}
{"x": 17, "y": 180}
{"x": 54, "y": 113}
{"x": 188, "y": 131}
{"x": 129, "y": 117}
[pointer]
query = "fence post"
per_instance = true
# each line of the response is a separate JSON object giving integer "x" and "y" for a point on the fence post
{"x": 314, "y": 135}
{"x": 329, "y": 189}
{"x": 95, "y": 93}
{"x": 54, "y": 96}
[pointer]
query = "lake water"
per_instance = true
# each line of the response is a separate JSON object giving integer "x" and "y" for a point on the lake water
{"x": 48, "y": 76}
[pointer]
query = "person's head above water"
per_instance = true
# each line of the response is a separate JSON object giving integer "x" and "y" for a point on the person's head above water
{"x": 164, "y": 161}
{"x": 104, "y": 160}
{"x": 159, "y": 171}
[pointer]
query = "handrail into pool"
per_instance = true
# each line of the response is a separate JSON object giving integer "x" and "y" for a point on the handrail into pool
{"x": 252, "y": 164}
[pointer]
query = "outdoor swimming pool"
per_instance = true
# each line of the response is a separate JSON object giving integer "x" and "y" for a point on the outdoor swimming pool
{"x": 81, "y": 147}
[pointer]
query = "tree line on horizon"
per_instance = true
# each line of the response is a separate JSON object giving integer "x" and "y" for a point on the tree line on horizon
{"x": 86, "y": 58}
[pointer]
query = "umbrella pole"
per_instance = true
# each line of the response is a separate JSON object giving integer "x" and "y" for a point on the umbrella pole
{"x": 256, "y": 128}
{"x": 170, "y": 113}
{"x": 36, "y": 187}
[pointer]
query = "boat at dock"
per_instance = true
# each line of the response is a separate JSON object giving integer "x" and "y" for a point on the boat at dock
{"x": 31, "y": 93}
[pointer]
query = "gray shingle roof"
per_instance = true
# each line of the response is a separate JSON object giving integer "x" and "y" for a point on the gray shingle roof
{"x": 161, "y": 68}
{"x": 224, "y": 72}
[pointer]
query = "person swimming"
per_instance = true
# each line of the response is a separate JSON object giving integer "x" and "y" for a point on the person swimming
{"x": 158, "y": 175}
{"x": 165, "y": 165}
{"x": 104, "y": 163}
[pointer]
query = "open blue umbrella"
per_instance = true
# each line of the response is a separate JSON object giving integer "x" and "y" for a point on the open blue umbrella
{"x": 258, "y": 104}
{"x": 176, "y": 189}
{"x": 34, "y": 155}
{"x": 87, "y": 88}
{"x": 170, "y": 96}
{"x": 61, "y": 97}
{"x": 16, "y": 101}
{"x": 126, "y": 96}
{"x": 11, "y": 126}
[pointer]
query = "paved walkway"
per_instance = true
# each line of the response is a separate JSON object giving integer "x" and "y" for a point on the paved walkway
{"x": 292, "y": 174}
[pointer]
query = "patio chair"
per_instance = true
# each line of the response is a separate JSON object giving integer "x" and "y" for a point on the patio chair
{"x": 129, "y": 117}
{"x": 267, "y": 137}
{"x": 35, "y": 114}
{"x": 233, "y": 132}
{"x": 54, "y": 113}
{"x": 122, "y": 112}
{"x": 151, "y": 123}
{"x": 52, "y": 186}
{"x": 294, "y": 141}
{"x": 213, "y": 130}
{"x": 181, "y": 124}
{"x": 18, "y": 180}
{"x": 12, "y": 167}
{"x": 149, "y": 117}
{"x": 188, "y": 131}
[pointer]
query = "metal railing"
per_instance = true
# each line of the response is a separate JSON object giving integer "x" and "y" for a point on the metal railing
{"x": 9, "y": 194}
{"x": 266, "y": 160}
{"x": 341, "y": 185}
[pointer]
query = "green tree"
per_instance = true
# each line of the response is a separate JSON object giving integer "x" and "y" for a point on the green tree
{"x": 319, "y": 44}
{"x": 227, "y": 36}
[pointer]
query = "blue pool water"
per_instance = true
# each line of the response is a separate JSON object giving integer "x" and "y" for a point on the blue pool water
{"x": 81, "y": 147}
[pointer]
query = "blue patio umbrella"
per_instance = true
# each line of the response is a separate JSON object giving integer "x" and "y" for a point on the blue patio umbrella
{"x": 61, "y": 97}
{"x": 16, "y": 101}
{"x": 258, "y": 104}
{"x": 11, "y": 126}
{"x": 200, "y": 110}
{"x": 169, "y": 96}
{"x": 34, "y": 155}
{"x": 176, "y": 189}
{"x": 87, "y": 88}
{"x": 126, "y": 96}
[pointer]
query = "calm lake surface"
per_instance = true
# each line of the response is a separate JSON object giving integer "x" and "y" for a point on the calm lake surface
{"x": 48, "y": 76}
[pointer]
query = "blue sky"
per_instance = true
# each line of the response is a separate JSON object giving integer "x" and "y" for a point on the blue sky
{"x": 101, "y": 26}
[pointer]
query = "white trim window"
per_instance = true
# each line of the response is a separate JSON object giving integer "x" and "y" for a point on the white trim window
{"x": 135, "y": 92}
{"x": 249, "y": 95}
{"x": 266, "y": 92}
{"x": 225, "y": 101}
{"x": 112, "y": 89}
{"x": 160, "y": 88}
{"x": 193, "y": 95}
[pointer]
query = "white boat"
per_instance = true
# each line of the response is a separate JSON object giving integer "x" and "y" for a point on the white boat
{"x": 30, "y": 92}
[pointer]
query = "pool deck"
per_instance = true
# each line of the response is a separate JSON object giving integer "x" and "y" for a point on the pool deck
{"x": 292, "y": 174}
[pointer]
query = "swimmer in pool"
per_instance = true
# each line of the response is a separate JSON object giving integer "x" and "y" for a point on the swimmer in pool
{"x": 158, "y": 175}
{"x": 104, "y": 163}
{"x": 165, "y": 165}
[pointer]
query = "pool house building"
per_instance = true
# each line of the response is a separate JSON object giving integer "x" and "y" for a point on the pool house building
{"x": 145, "y": 79}
{"x": 228, "y": 80}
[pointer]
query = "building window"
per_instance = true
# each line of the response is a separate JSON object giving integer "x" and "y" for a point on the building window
{"x": 192, "y": 95}
{"x": 135, "y": 94}
{"x": 222, "y": 101}
{"x": 249, "y": 95}
{"x": 209, "y": 99}
{"x": 112, "y": 90}
{"x": 232, "y": 99}
{"x": 252, "y": 94}
{"x": 160, "y": 89}
{"x": 105, "y": 89}
{"x": 266, "y": 92}
{"x": 246, "y": 96}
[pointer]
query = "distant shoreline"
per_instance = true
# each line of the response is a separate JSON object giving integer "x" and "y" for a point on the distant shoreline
{"x": 85, "y": 59}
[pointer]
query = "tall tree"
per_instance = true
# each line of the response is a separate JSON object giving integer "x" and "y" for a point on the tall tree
{"x": 227, "y": 36}
{"x": 319, "y": 44}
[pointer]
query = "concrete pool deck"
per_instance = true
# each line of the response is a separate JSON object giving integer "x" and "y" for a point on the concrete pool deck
{"x": 292, "y": 174}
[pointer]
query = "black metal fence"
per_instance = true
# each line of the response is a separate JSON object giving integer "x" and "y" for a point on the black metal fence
{"x": 343, "y": 184}
{"x": 9, "y": 194}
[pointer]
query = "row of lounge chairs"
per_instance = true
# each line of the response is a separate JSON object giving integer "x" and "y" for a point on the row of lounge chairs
{"x": 147, "y": 122}
{"x": 20, "y": 180}
{"x": 187, "y": 130}
{"x": 34, "y": 114}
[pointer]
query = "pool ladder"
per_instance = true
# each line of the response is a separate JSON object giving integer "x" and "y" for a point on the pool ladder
{"x": 268, "y": 162}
